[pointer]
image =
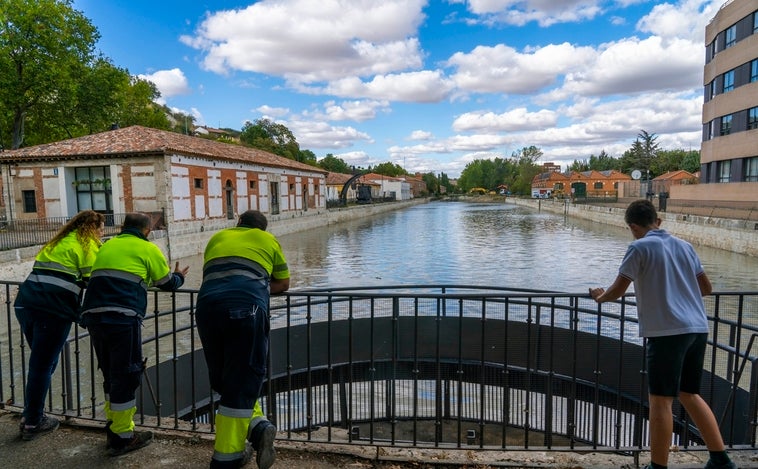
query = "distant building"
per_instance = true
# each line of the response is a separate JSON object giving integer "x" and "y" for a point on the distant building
{"x": 142, "y": 169}
{"x": 578, "y": 184}
{"x": 729, "y": 150}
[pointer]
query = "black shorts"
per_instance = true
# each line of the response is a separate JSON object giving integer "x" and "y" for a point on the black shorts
{"x": 675, "y": 363}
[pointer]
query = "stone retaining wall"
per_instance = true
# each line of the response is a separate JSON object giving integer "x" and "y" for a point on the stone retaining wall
{"x": 739, "y": 236}
{"x": 186, "y": 239}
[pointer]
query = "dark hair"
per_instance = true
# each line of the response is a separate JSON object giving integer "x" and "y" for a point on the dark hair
{"x": 253, "y": 219}
{"x": 86, "y": 224}
{"x": 641, "y": 212}
{"x": 138, "y": 221}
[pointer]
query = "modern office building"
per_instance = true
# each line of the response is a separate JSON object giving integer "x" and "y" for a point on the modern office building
{"x": 729, "y": 150}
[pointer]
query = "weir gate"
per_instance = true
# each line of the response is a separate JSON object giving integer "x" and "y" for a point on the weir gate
{"x": 447, "y": 366}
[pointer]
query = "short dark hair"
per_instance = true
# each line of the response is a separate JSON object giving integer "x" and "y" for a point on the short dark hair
{"x": 253, "y": 219}
{"x": 641, "y": 212}
{"x": 138, "y": 221}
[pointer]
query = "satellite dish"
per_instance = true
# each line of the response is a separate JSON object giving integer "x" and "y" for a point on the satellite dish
{"x": 636, "y": 174}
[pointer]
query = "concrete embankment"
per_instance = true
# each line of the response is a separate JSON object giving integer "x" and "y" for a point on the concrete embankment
{"x": 739, "y": 236}
{"x": 185, "y": 239}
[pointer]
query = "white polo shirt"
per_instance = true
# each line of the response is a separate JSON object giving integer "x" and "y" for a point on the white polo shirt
{"x": 664, "y": 270}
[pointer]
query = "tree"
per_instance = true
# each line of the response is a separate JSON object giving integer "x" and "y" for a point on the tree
{"x": 307, "y": 157}
{"x": 333, "y": 164}
{"x": 389, "y": 169}
{"x": 137, "y": 106}
{"x": 43, "y": 45}
{"x": 270, "y": 136}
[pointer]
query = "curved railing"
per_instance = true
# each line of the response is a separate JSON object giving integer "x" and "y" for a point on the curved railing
{"x": 425, "y": 366}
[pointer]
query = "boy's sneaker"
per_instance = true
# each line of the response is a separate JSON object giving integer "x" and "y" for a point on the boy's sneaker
{"x": 46, "y": 425}
{"x": 711, "y": 465}
{"x": 265, "y": 452}
{"x": 121, "y": 446}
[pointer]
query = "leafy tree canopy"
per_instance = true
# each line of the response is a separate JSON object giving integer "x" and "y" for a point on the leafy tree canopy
{"x": 333, "y": 164}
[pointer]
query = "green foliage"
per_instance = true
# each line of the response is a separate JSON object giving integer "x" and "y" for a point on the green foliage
{"x": 307, "y": 157}
{"x": 334, "y": 165}
{"x": 44, "y": 44}
{"x": 272, "y": 137}
{"x": 389, "y": 169}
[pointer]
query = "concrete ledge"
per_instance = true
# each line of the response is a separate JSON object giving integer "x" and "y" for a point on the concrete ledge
{"x": 738, "y": 236}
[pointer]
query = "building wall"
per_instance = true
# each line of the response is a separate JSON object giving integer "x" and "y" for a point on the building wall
{"x": 154, "y": 184}
{"x": 740, "y": 143}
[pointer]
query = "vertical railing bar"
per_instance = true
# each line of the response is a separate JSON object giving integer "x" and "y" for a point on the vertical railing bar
{"x": 528, "y": 372}
{"x": 597, "y": 373}
{"x": 174, "y": 361}
{"x": 372, "y": 372}
{"x": 482, "y": 370}
{"x": 459, "y": 372}
{"x": 330, "y": 371}
{"x": 415, "y": 371}
{"x": 309, "y": 368}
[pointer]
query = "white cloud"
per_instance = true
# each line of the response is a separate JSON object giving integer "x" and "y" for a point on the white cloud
{"x": 513, "y": 120}
{"x": 357, "y": 111}
{"x": 544, "y": 12}
{"x": 321, "y": 41}
{"x": 502, "y": 69}
{"x": 316, "y": 135}
{"x": 272, "y": 111}
{"x": 169, "y": 82}
{"x": 420, "y": 135}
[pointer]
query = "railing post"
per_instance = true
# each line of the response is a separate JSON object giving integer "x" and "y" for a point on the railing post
{"x": 68, "y": 389}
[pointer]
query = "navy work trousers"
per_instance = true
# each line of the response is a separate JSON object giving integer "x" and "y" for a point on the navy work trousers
{"x": 46, "y": 334}
{"x": 119, "y": 356}
{"x": 235, "y": 344}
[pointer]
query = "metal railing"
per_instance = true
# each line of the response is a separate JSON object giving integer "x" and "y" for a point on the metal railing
{"x": 424, "y": 366}
{"x": 22, "y": 233}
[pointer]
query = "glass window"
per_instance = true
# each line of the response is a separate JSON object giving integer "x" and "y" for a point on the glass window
{"x": 755, "y": 22}
{"x": 752, "y": 118}
{"x": 751, "y": 169}
{"x": 198, "y": 183}
{"x": 30, "y": 201}
{"x": 731, "y": 36}
{"x": 754, "y": 70}
{"x": 729, "y": 81}
{"x": 725, "y": 171}
{"x": 726, "y": 125}
{"x": 598, "y": 185}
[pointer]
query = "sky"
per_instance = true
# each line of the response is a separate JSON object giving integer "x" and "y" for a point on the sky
{"x": 428, "y": 85}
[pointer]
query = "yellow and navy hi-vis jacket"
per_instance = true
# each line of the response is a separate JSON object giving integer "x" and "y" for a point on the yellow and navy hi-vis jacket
{"x": 57, "y": 277}
{"x": 126, "y": 266}
{"x": 238, "y": 264}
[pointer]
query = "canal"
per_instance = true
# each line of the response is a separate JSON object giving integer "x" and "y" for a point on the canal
{"x": 464, "y": 243}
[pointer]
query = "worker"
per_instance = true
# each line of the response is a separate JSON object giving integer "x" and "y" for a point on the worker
{"x": 242, "y": 267}
{"x": 114, "y": 307}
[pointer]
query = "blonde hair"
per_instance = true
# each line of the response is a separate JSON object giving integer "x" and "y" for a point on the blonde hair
{"x": 86, "y": 224}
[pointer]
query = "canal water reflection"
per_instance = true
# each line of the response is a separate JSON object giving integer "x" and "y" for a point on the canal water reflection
{"x": 474, "y": 244}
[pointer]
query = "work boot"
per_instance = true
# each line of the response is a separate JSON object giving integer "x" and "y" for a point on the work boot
{"x": 46, "y": 425}
{"x": 247, "y": 455}
{"x": 262, "y": 438}
{"x": 121, "y": 446}
{"x": 109, "y": 435}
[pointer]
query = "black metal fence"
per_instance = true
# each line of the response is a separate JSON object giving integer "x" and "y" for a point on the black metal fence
{"x": 425, "y": 366}
{"x": 22, "y": 233}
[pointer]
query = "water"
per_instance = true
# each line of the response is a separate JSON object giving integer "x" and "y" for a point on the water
{"x": 475, "y": 244}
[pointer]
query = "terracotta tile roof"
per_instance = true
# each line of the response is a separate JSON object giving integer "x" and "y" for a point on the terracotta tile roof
{"x": 673, "y": 175}
{"x": 334, "y": 179}
{"x": 143, "y": 141}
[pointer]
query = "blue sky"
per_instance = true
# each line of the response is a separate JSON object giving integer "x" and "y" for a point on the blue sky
{"x": 429, "y": 85}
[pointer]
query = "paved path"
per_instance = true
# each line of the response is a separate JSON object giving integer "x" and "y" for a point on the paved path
{"x": 79, "y": 446}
